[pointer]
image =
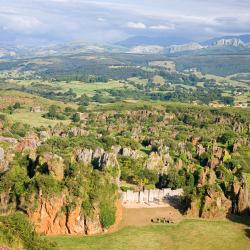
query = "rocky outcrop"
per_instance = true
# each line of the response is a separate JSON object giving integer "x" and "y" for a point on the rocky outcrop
{"x": 27, "y": 143}
{"x": 84, "y": 155}
{"x": 53, "y": 217}
{"x": 128, "y": 152}
{"x": 184, "y": 47}
{"x": 159, "y": 160}
{"x": 154, "y": 162}
{"x": 241, "y": 197}
{"x": 200, "y": 150}
{"x": 55, "y": 165}
{"x": 215, "y": 205}
{"x": 1, "y": 154}
{"x": 99, "y": 158}
{"x": 5, "y": 158}
{"x": 8, "y": 140}
{"x": 108, "y": 160}
{"x": 229, "y": 42}
{"x": 76, "y": 131}
{"x": 216, "y": 202}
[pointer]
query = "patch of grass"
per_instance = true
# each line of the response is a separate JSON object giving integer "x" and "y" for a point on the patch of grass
{"x": 34, "y": 119}
{"x": 9, "y": 97}
{"x": 89, "y": 88}
{"x": 158, "y": 79}
{"x": 189, "y": 234}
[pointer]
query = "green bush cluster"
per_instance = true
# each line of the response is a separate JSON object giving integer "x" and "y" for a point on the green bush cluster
{"x": 17, "y": 231}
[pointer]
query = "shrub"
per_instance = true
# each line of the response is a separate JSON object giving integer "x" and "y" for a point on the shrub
{"x": 107, "y": 214}
{"x": 16, "y": 229}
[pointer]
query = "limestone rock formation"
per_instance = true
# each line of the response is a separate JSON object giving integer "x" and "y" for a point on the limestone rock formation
{"x": 55, "y": 165}
{"x": 99, "y": 158}
{"x": 154, "y": 161}
{"x": 84, "y": 155}
{"x": 108, "y": 160}
{"x": 128, "y": 152}
{"x": 27, "y": 143}
{"x": 200, "y": 150}
{"x": 52, "y": 217}
{"x": 241, "y": 197}
{"x": 1, "y": 154}
{"x": 213, "y": 205}
{"x": 230, "y": 42}
{"x": 159, "y": 160}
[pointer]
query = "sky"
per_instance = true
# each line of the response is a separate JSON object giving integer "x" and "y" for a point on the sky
{"x": 109, "y": 21}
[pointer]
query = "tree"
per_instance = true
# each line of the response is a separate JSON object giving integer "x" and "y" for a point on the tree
{"x": 17, "y": 105}
{"x": 52, "y": 111}
{"x": 76, "y": 117}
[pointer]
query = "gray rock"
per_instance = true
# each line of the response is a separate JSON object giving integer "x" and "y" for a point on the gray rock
{"x": 84, "y": 155}
{"x": 1, "y": 154}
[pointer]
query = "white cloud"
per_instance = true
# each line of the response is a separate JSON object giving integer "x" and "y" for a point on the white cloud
{"x": 101, "y": 19}
{"x": 20, "y": 23}
{"x": 162, "y": 27}
{"x": 138, "y": 25}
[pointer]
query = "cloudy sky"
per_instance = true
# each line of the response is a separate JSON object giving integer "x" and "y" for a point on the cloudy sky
{"x": 110, "y": 21}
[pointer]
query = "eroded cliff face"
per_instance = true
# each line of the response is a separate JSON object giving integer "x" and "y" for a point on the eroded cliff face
{"x": 53, "y": 217}
{"x": 214, "y": 203}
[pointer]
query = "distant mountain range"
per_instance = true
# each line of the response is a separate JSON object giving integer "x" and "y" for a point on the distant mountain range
{"x": 170, "y": 45}
{"x": 161, "y": 41}
{"x": 243, "y": 38}
{"x": 136, "y": 45}
{"x": 169, "y": 40}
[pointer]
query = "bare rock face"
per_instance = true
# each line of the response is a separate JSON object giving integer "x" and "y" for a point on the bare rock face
{"x": 4, "y": 160}
{"x": 97, "y": 154}
{"x": 99, "y": 158}
{"x": 55, "y": 165}
{"x": 116, "y": 149}
{"x": 238, "y": 128}
{"x": 207, "y": 176}
{"x": 194, "y": 210}
{"x": 44, "y": 135}
{"x": 108, "y": 160}
{"x": 128, "y": 152}
{"x": 48, "y": 217}
{"x": 195, "y": 140}
{"x": 76, "y": 131}
{"x": 159, "y": 160}
{"x": 154, "y": 161}
{"x": 75, "y": 221}
{"x": 213, "y": 205}
{"x": 200, "y": 150}
{"x": 93, "y": 224}
{"x": 1, "y": 154}
{"x": 51, "y": 217}
{"x": 8, "y": 139}
{"x": 27, "y": 143}
{"x": 240, "y": 201}
{"x": 217, "y": 151}
{"x": 214, "y": 162}
{"x": 84, "y": 155}
{"x": 216, "y": 205}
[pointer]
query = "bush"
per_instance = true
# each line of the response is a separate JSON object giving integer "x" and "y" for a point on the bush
{"x": 16, "y": 229}
{"x": 107, "y": 214}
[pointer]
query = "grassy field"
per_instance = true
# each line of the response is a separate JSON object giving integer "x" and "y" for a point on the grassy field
{"x": 78, "y": 87}
{"x": 10, "y": 97}
{"x": 188, "y": 234}
{"x": 89, "y": 88}
{"x": 34, "y": 119}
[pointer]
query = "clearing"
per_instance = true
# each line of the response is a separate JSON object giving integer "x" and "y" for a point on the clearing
{"x": 186, "y": 234}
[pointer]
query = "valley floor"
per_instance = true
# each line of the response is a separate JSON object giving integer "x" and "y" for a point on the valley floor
{"x": 185, "y": 234}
